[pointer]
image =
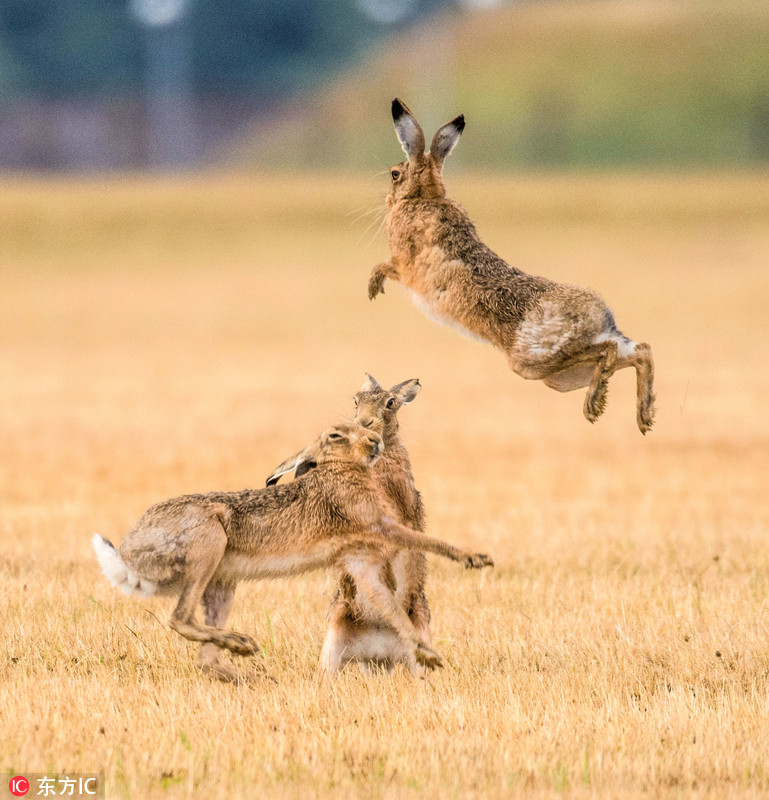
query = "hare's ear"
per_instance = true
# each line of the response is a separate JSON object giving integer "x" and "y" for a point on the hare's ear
{"x": 305, "y": 466}
{"x": 408, "y": 130}
{"x": 407, "y": 391}
{"x": 369, "y": 384}
{"x": 296, "y": 461}
{"x": 446, "y": 138}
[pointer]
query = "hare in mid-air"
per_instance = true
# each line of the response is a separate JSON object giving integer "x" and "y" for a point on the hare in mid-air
{"x": 199, "y": 546}
{"x": 560, "y": 334}
{"x": 355, "y": 632}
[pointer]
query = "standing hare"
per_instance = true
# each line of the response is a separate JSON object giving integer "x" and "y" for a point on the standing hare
{"x": 356, "y": 633}
{"x": 560, "y": 334}
{"x": 199, "y": 546}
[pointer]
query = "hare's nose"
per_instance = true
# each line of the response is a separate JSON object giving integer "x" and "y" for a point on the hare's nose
{"x": 367, "y": 422}
{"x": 376, "y": 444}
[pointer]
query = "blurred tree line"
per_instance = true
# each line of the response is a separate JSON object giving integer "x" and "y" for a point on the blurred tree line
{"x": 562, "y": 84}
{"x": 73, "y": 48}
{"x": 544, "y": 83}
{"x": 77, "y": 77}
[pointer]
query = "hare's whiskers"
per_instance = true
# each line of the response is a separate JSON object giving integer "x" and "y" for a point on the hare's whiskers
{"x": 371, "y": 225}
{"x": 378, "y": 230}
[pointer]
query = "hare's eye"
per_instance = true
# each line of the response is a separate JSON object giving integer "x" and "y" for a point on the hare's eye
{"x": 390, "y": 403}
{"x": 335, "y": 437}
{"x": 355, "y": 400}
{"x": 395, "y": 173}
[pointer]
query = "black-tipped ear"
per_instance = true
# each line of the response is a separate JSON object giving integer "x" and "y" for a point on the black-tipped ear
{"x": 289, "y": 465}
{"x": 446, "y": 138}
{"x": 408, "y": 130}
{"x": 399, "y": 108}
{"x": 304, "y": 467}
{"x": 407, "y": 391}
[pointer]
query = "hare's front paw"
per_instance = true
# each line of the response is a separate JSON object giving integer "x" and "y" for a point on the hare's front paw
{"x": 478, "y": 561}
{"x": 376, "y": 284}
{"x": 379, "y": 274}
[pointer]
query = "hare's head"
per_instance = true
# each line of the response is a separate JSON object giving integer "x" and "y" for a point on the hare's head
{"x": 349, "y": 442}
{"x": 420, "y": 175}
{"x": 377, "y": 407}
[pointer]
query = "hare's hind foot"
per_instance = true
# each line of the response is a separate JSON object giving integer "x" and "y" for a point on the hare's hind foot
{"x": 211, "y": 663}
{"x": 644, "y": 365}
{"x": 645, "y": 416}
{"x": 595, "y": 403}
{"x": 221, "y": 671}
{"x": 239, "y": 643}
{"x": 594, "y": 406}
{"x": 228, "y": 673}
{"x": 427, "y": 657}
{"x": 605, "y": 367}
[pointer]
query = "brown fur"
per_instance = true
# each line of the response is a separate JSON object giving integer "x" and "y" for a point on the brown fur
{"x": 560, "y": 334}
{"x": 200, "y": 546}
{"x": 354, "y": 632}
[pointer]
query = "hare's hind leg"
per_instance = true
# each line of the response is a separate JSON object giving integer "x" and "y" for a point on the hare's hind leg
{"x": 217, "y": 604}
{"x": 335, "y": 653}
{"x": 410, "y": 569}
{"x": 619, "y": 354}
{"x": 337, "y": 650}
{"x": 369, "y": 572}
{"x": 605, "y": 367}
{"x": 362, "y": 640}
{"x": 624, "y": 353}
{"x": 358, "y": 634}
{"x": 203, "y": 556}
{"x": 643, "y": 362}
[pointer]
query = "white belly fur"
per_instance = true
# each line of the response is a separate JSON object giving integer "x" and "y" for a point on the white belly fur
{"x": 255, "y": 568}
{"x": 428, "y": 309}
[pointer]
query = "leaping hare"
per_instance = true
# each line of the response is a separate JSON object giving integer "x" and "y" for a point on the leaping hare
{"x": 560, "y": 334}
{"x": 199, "y": 546}
{"x": 355, "y": 632}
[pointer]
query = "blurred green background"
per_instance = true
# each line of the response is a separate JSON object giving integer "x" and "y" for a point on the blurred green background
{"x": 562, "y": 84}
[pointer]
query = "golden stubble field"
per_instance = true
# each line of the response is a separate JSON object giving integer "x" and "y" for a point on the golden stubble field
{"x": 165, "y": 336}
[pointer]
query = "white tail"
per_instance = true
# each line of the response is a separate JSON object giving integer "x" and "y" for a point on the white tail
{"x": 117, "y": 572}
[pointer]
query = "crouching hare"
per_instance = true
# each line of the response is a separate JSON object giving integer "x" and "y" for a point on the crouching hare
{"x": 199, "y": 546}
{"x": 560, "y": 334}
{"x": 357, "y": 632}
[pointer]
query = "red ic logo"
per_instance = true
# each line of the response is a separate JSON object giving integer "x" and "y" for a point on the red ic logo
{"x": 19, "y": 786}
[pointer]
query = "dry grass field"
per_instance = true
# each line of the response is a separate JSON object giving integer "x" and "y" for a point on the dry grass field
{"x": 165, "y": 336}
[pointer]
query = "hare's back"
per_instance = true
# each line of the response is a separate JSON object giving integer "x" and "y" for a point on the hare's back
{"x": 159, "y": 545}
